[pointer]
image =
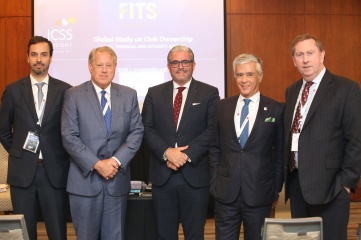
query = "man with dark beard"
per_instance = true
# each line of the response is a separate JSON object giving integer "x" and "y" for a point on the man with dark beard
{"x": 30, "y": 131}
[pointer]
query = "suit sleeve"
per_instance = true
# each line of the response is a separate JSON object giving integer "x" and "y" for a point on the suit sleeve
{"x": 351, "y": 165}
{"x": 215, "y": 146}
{"x": 6, "y": 120}
{"x": 83, "y": 157}
{"x": 278, "y": 153}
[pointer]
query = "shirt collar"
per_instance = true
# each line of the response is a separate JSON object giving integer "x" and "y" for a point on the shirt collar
{"x": 319, "y": 77}
{"x": 45, "y": 80}
{"x": 175, "y": 85}
{"x": 254, "y": 98}
{"x": 99, "y": 90}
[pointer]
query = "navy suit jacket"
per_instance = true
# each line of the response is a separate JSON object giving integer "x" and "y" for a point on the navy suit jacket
{"x": 194, "y": 130}
{"x": 18, "y": 117}
{"x": 257, "y": 169}
{"x": 86, "y": 139}
{"x": 329, "y": 154}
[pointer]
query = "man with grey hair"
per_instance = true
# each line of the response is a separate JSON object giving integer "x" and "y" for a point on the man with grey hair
{"x": 246, "y": 154}
{"x": 102, "y": 130}
{"x": 177, "y": 118}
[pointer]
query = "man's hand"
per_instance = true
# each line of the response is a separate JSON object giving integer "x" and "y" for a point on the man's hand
{"x": 171, "y": 166}
{"x": 274, "y": 203}
{"x": 176, "y": 157}
{"x": 107, "y": 168}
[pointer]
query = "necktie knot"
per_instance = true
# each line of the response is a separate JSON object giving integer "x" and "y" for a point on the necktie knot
{"x": 180, "y": 89}
{"x": 308, "y": 84}
{"x": 40, "y": 85}
{"x": 246, "y": 101}
{"x": 103, "y": 93}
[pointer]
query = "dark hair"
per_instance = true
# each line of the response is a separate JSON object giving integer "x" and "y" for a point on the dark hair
{"x": 304, "y": 37}
{"x": 40, "y": 39}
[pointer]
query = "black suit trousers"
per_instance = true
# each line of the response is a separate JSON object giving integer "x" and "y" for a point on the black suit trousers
{"x": 52, "y": 202}
{"x": 230, "y": 216}
{"x": 334, "y": 214}
{"x": 176, "y": 202}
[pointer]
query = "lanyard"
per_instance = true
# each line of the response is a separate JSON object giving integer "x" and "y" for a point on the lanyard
{"x": 40, "y": 112}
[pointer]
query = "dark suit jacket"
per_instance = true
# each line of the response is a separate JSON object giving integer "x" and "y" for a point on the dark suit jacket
{"x": 329, "y": 153}
{"x": 194, "y": 130}
{"x": 257, "y": 169}
{"x": 18, "y": 114}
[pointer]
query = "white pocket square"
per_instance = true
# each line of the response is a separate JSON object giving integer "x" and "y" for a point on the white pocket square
{"x": 193, "y": 104}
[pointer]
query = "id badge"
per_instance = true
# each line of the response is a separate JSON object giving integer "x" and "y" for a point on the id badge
{"x": 32, "y": 142}
{"x": 294, "y": 144}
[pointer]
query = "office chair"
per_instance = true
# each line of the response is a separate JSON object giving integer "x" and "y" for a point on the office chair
{"x": 5, "y": 199}
{"x": 293, "y": 229}
{"x": 13, "y": 227}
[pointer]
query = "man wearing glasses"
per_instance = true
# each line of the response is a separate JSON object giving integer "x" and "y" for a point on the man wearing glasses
{"x": 177, "y": 117}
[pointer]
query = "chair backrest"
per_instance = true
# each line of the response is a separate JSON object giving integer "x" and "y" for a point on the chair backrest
{"x": 13, "y": 226}
{"x": 3, "y": 164}
{"x": 293, "y": 228}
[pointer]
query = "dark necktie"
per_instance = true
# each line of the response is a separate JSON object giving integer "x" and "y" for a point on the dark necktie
{"x": 296, "y": 122}
{"x": 106, "y": 111}
{"x": 177, "y": 104}
{"x": 244, "y": 135}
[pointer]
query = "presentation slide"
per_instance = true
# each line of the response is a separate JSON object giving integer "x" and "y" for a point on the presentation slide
{"x": 141, "y": 34}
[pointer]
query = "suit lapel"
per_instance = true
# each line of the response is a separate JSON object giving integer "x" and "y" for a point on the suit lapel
{"x": 167, "y": 93}
{"x": 115, "y": 98}
{"x": 52, "y": 95}
{"x": 95, "y": 104}
{"x": 291, "y": 104}
{"x": 192, "y": 92}
{"x": 27, "y": 92}
{"x": 261, "y": 115}
{"x": 325, "y": 85}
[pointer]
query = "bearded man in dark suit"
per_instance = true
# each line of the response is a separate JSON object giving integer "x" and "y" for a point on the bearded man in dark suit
{"x": 30, "y": 131}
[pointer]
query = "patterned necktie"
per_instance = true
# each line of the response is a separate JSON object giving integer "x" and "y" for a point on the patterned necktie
{"x": 40, "y": 93}
{"x": 177, "y": 104}
{"x": 244, "y": 135}
{"x": 296, "y": 122}
{"x": 106, "y": 111}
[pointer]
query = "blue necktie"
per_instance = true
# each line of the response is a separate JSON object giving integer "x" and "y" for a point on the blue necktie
{"x": 106, "y": 111}
{"x": 244, "y": 135}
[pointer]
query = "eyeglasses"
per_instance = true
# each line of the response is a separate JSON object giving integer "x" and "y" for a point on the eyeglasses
{"x": 185, "y": 63}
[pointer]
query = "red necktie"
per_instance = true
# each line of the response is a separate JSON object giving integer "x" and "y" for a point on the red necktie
{"x": 177, "y": 104}
{"x": 296, "y": 121}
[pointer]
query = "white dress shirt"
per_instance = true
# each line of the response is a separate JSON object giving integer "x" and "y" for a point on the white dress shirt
{"x": 39, "y": 107}
{"x": 253, "y": 109}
